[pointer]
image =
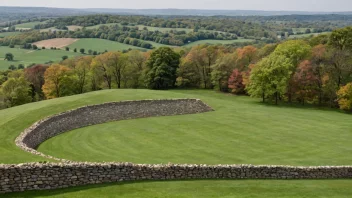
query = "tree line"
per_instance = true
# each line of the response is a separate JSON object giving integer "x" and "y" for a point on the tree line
{"x": 123, "y": 34}
{"x": 312, "y": 71}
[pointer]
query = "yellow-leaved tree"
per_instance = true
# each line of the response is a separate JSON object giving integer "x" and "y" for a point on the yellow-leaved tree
{"x": 345, "y": 97}
{"x": 57, "y": 81}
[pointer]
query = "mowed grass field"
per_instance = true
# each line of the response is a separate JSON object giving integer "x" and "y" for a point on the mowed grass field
{"x": 100, "y": 45}
{"x": 214, "y": 42}
{"x": 205, "y": 188}
{"x": 241, "y": 130}
{"x": 27, "y": 57}
{"x": 4, "y": 34}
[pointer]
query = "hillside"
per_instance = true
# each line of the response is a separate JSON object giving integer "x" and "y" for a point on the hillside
{"x": 27, "y": 57}
{"x": 100, "y": 45}
{"x": 267, "y": 134}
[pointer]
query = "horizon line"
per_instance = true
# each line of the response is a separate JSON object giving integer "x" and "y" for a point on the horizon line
{"x": 176, "y": 9}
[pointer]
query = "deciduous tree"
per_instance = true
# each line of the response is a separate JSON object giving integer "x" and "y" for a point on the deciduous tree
{"x": 345, "y": 97}
{"x": 162, "y": 66}
{"x": 57, "y": 81}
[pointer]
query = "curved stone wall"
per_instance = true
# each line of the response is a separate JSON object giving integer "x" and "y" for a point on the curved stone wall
{"x": 41, "y": 176}
{"x": 97, "y": 114}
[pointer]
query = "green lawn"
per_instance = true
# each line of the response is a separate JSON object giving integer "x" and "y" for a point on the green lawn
{"x": 27, "y": 57}
{"x": 29, "y": 25}
{"x": 241, "y": 130}
{"x": 4, "y": 34}
{"x": 214, "y": 42}
{"x": 100, "y": 45}
{"x": 206, "y": 188}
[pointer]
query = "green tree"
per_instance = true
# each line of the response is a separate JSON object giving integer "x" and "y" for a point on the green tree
{"x": 67, "y": 49}
{"x": 12, "y": 67}
{"x": 75, "y": 50}
{"x": 270, "y": 77}
{"x": 341, "y": 38}
{"x": 221, "y": 71}
{"x": 296, "y": 51}
{"x": 82, "y": 51}
{"x": 16, "y": 91}
{"x": 162, "y": 66}
{"x": 20, "y": 66}
{"x": 9, "y": 57}
{"x": 64, "y": 57}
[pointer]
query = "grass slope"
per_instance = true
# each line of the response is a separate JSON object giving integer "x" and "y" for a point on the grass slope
{"x": 27, "y": 57}
{"x": 205, "y": 188}
{"x": 100, "y": 45}
{"x": 240, "y": 130}
{"x": 215, "y": 42}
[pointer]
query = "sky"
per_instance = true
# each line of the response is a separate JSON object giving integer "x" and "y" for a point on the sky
{"x": 270, "y": 5}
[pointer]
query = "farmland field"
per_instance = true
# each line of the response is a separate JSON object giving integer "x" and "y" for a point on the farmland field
{"x": 29, "y": 25}
{"x": 74, "y": 27}
{"x": 266, "y": 135}
{"x": 57, "y": 42}
{"x": 214, "y": 42}
{"x": 51, "y": 29}
{"x": 100, "y": 45}
{"x": 27, "y": 57}
{"x": 307, "y": 35}
{"x": 4, "y": 34}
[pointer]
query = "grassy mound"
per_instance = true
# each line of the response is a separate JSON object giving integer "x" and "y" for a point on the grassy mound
{"x": 240, "y": 130}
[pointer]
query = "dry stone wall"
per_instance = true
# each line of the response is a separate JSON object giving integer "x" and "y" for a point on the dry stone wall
{"x": 41, "y": 176}
{"x": 97, "y": 114}
{"x": 38, "y": 176}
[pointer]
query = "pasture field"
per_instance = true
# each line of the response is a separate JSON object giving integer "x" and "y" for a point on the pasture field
{"x": 29, "y": 25}
{"x": 307, "y": 35}
{"x": 241, "y": 130}
{"x": 56, "y": 42}
{"x": 74, "y": 27}
{"x": 4, "y": 34}
{"x": 27, "y": 57}
{"x": 51, "y": 29}
{"x": 100, "y": 45}
{"x": 214, "y": 42}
